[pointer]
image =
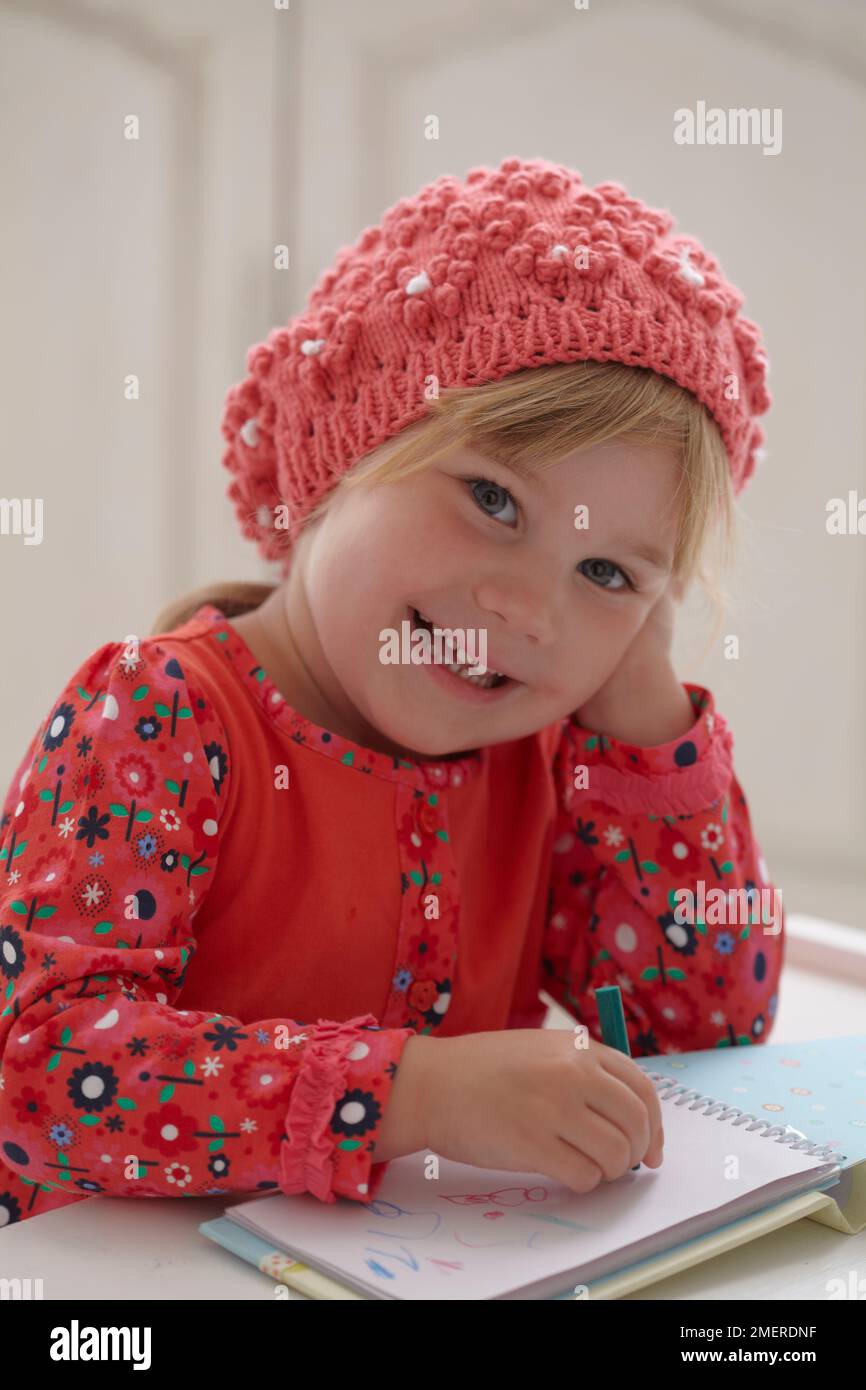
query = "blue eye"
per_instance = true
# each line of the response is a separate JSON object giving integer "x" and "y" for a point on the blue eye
{"x": 628, "y": 583}
{"x": 488, "y": 494}
{"x": 491, "y": 498}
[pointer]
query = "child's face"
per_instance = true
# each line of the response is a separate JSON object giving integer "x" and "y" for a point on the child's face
{"x": 504, "y": 556}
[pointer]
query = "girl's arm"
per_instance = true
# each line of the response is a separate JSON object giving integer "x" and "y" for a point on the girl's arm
{"x": 635, "y": 825}
{"x": 108, "y": 845}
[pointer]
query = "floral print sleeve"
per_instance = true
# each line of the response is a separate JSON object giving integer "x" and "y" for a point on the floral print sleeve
{"x": 109, "y": 842}
{"x": 635, "y": 827}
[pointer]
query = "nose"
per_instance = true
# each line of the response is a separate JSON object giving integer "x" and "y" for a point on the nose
{"x": 525, "y": 612}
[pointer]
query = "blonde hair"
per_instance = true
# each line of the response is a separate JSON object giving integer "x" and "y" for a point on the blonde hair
{"x": 528, "y": 421}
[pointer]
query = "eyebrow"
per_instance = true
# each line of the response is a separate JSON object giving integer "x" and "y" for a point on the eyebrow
{"x": 653, "y": 556}
{"x": 657, "y": 558}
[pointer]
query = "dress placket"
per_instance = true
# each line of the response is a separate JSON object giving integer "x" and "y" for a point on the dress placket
{"x": 425, "y": 962}
{"x": 426, "y": 951}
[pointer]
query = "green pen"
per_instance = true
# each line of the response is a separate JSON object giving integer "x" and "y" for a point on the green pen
{"x": 612, "y": 1020}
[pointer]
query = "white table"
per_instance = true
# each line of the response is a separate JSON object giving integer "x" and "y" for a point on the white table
{"x": 114, "y": 1248}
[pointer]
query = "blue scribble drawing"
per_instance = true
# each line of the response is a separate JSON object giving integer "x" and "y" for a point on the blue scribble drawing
{"x": 374, "y": 1265}
{"x": 404, "y": 1234}
{"x": 422, "y": 1217}
{"x": 378, "y": 1202}
{"x": 377, "y": 1269}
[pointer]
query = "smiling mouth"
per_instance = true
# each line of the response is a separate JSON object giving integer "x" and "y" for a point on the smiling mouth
{"x": 490, "y": 680}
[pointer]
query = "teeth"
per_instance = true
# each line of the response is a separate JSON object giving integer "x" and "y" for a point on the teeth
{"x": 458, "y": 668}
{"x": 470, "y": 673}
{"x": 486, "y": 682}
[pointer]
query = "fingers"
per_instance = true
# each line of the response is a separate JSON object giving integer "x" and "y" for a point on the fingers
{"x": 625, "y": 1071}
{"x": 568, "y": 1165}
{"x": 617, "y": 1104}
{"x": 597, "y": 1149}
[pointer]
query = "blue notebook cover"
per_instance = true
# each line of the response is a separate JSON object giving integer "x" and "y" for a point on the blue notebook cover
{"x": 817, "y": 1088}
{"x": 233, "y": 1237}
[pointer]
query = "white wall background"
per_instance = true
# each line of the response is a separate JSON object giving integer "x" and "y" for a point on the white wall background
{"x": 262, "y": 126}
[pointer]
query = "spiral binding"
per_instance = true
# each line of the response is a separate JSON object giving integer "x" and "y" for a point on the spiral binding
{"x": 667, "y": 1088}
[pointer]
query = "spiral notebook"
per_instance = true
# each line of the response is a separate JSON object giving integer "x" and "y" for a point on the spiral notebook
{"x": 470, "y": 1233}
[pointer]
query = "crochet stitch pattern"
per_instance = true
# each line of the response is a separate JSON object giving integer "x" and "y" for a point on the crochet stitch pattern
{"x": 467, "y": 282}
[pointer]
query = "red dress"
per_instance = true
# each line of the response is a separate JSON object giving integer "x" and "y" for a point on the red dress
{"x": 220, "y": 923}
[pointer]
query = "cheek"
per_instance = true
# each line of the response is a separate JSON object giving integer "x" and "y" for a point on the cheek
{"x": 376, "y": 547}
{"x": 353, "y": 596}
{"x": 603, "y": 634}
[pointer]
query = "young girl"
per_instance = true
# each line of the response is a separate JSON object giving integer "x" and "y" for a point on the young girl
{"x": 277, "y": 907}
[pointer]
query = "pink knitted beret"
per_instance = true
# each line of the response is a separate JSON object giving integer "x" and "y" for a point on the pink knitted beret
{"x": 469, "y": 281}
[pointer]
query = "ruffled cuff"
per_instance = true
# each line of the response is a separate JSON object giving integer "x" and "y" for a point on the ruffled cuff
{"x": 336, "y": 1109}
{"x": 677, "y": 778}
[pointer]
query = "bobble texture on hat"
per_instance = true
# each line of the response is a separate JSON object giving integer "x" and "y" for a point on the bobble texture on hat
{"x": 469, "y": 281}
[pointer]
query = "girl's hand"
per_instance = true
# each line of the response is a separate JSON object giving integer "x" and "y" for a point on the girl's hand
{"x": 643, "y": 691}
{"x": 528, "y": 1100}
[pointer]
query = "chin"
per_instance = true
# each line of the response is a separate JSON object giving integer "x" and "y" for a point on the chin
{"x": 421, "y": 744}
{"x": 428, "y": 737}
{"x": 415, "y": 734}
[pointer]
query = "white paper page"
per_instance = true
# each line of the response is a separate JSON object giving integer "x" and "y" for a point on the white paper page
{"x": 476, "y": 1234}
